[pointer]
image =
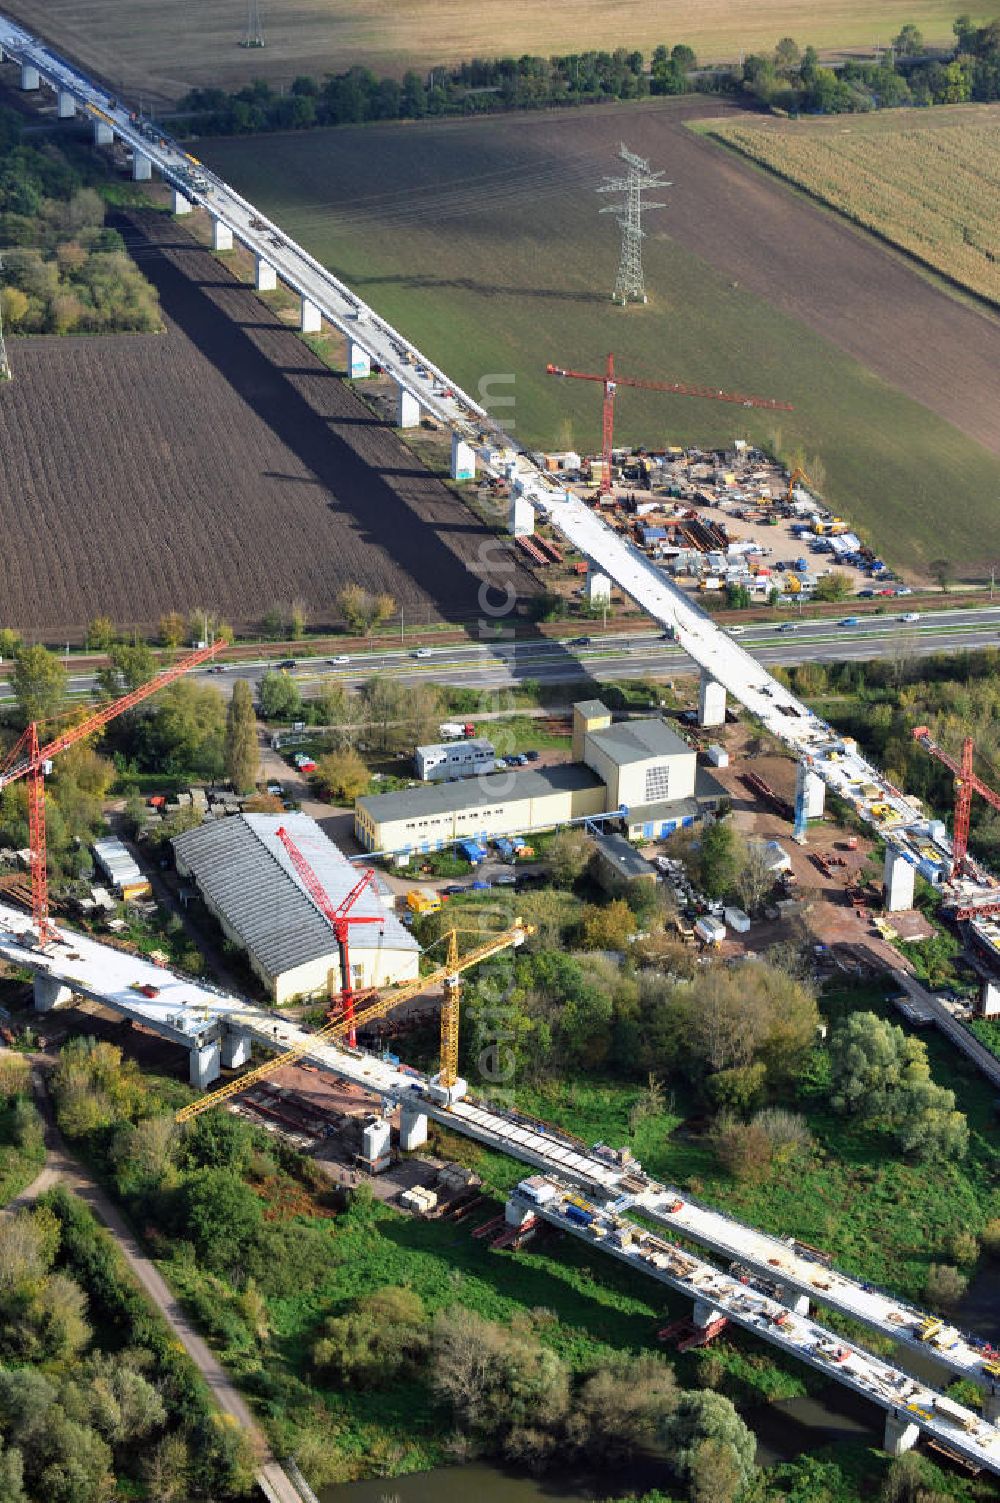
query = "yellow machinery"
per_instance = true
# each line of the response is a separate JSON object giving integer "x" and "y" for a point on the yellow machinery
{"x": 376, "y": 1006}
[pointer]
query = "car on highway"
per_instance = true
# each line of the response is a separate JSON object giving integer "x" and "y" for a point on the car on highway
{"x": 735, "y": 631}
{"x": 339, "y": 660}
{"x": 218, "y": 668}
{"x": 286, "y": 663}
{"x": 789, "y": 626}
{"x": 851, "y": 621}
{"x": 421, "y": 652}
{"x": 666, "y": 636}
{"x": 579, "y": 642}
{"x": 910, "y": 616}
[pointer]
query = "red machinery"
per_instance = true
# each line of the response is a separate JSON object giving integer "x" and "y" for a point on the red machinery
{"x": 611, "y": 382}
{"x": 339, "y": 918}
{"x": 30, "y": 760}
{"x": 966, "y": 784}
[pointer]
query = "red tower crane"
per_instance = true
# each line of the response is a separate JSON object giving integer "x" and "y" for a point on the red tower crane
{"x": 611, "y": 382}
{"x": 966, "y": 784}
{"x": 338, "y": 916}
{"x": 30, "y": 759}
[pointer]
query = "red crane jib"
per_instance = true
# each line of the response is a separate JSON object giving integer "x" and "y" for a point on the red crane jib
{"x": 29, "y": 759}
{"x": 610, "y": 381}
{"x": 338, "y": 916}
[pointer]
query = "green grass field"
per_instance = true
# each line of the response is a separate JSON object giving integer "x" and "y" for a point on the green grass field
{"x": 483, "y": 241}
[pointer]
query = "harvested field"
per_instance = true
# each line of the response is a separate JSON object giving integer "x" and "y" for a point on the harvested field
{"x": 483, "y": 240}
{"x": 165, "y": 49}
{"x": 929, "y": 187}
{"x": 219, "y": 465}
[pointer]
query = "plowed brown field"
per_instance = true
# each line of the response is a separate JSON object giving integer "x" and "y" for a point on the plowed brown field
{"x": 218, "y": 465}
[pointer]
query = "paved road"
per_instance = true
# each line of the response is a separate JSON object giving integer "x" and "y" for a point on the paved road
{"x": 630, "y": 654}
{"x": 62, "y": 1168}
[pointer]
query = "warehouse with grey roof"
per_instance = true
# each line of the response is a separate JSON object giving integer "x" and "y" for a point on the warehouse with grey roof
{"x": 248, "y": 883}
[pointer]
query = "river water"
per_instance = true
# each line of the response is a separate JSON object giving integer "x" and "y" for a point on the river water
{"x": 790, "y": 1428}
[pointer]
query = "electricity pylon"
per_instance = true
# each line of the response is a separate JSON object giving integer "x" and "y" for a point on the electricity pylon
{"x": 255, "y": 31}
{"x": 629, "y": 284}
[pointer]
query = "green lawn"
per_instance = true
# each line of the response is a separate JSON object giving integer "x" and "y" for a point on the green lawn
{"x": 482, "y": 240}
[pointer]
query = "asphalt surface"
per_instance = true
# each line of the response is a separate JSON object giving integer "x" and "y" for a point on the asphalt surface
{"x": 633, "y": 654}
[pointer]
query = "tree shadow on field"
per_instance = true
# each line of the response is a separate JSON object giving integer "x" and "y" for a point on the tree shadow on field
{"x": 414, "y": 283}
{"x": 427, "y": 533}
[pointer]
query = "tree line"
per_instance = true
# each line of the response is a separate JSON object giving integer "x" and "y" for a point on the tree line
{"x": 64, "y": 270}
{"x": 481, "y": 86}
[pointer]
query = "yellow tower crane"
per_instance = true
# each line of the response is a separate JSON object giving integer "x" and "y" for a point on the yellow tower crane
{"x": 378, "y": 1004}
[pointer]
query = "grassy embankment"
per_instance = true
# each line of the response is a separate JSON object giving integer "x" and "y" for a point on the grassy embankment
{"x": 483, "y": 242}
{"x": 928, "y": 187}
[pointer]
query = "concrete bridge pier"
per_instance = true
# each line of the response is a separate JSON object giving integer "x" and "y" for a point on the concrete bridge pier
{"x": 222, "y": 236}
{"x": 407, "y": 408}
{"x": 597, "y": 590}
{"x": 810, "y": 799}
{"x": 265, "y": 276}
{"x": 310, "y": 318}
{"x": 30, "y": 77}
{"x": 899, "y": 875}
{"x": 463, "y": 459}
{"x": 103, "y": 134}
{"x": 711, "y": 701}
{"x": 359, "y": 362}
{"x": 520, "y": 517}
{"x": 703, "y": 1314}
{"x": 797, "y": 1303}
{"x": 991, "y": 1407}
{"x": 412, "y": 1128}
{"x": 180, "y": 204}
{"x": 65, "y": 105}
{"x": 50, "y": 993}
{"x": 142, "y": 167}
{"x": 989, "y": 999}
{"x": 901, "y": 1434}
{"x": 204, "y": 1064}
{"x": 235, "y": 1049}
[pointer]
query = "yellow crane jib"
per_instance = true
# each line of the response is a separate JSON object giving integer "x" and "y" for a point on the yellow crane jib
{"x": 447, "y": 975}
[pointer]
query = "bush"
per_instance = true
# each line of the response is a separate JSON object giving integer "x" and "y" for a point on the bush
{"x": 743, "y": 1149}
{"x": 944, "y": 1286}
{"x": 963, "y": 1248}
{"x": 990, "y": 1238}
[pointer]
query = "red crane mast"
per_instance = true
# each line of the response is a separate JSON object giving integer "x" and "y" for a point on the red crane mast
{"x": 966, "y": 784}
{"x": 610, "y": 382}
{"x": 32, "y": 760}
{"x": 338, "y": 916}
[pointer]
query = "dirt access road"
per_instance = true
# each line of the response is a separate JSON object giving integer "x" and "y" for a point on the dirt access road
{"x": 62, "y": 1168}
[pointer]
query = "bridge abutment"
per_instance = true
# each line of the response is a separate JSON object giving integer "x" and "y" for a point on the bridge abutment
{"x": 412, "y": 1128}
{"x": 597, "y": 590}
{"x": 463, "y": 459}
{"x": 65, "y": 105}
{"x": 810, "y": 799}
{"x": 899, "y": 876}
{"x": 359, "y": 362}
{"x": 901, "y": 1434}
{"x": 222, "y": 236}
{"x": 310, "y": 318}
{"x": 205, "y": 1063}
{"x": 236, "y": 1049}
{"x": 265, "y": 276}
{"x": 711, "y": 701}
{"x": 49, "y": 992}
{"x": 407, "y": 408}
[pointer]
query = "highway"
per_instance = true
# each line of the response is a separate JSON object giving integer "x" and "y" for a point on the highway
{"x": 614, "y": 655}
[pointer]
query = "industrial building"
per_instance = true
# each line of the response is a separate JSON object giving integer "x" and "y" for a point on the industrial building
{"x": 639, "y": 769}
{"x": 454, "y": 759}
{"x": 250, "y": 885}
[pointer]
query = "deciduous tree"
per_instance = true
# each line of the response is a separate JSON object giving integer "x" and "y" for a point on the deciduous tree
{"x": 242, "y": 757}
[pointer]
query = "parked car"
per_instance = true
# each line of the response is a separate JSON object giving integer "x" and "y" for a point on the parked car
{"x": 531, "y": 756}
{"x": 520, "y": 760}
{"x": 505, "y": 881}
{"x": 866, "y": 594}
